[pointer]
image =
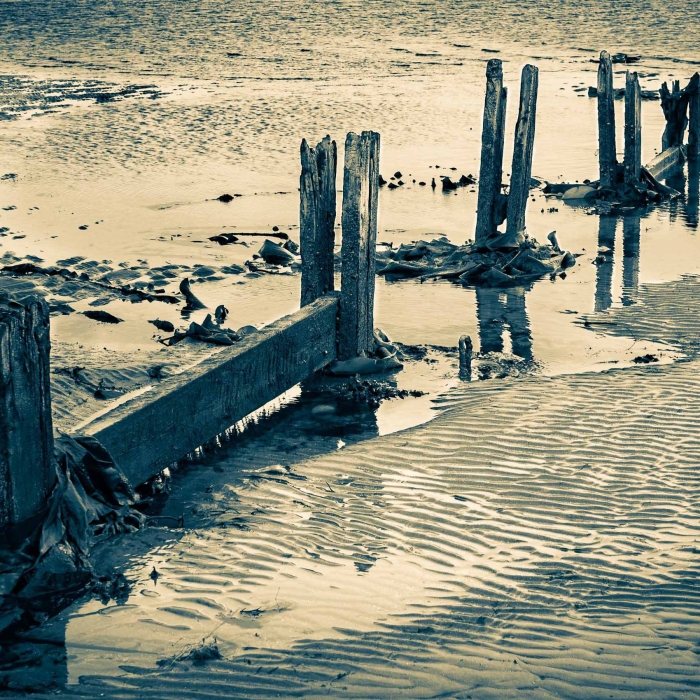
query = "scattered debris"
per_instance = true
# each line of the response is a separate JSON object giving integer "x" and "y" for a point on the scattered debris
{"x": 102, "y": 316}
{"x": 645, "y": 359}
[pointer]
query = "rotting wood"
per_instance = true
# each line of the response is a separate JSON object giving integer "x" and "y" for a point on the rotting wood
{"x": 466, "y": 349}
{"x": 26, "y": 430}
{"x": 522, "y": 154}
{"x": 317, "y": 211}
{"x": 155, "y": 428}
{"x": 694, "y": 116}
{"x": 633, "y": 129}
{"x": 359, "y": 223}
{"x": 492, "y": 141}
{"x": 607, "y": 149}
{"x": 665, "y": 162}
{"x": 674, "y": 104}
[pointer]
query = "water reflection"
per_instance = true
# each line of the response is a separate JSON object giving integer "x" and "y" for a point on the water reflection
{"x": 497, "y": 309}
{"x": 631, "y": 236}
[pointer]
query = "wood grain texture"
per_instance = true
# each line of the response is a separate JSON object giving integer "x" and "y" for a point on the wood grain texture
{"x": 522, "y": 151}
{"x": 665, "y": 163}
{"x": 633, "y": 129}
{"x": 26, "y": 431}
{"x": 317, "y": 212}
{"x": 607, "y": 145}
{"x": 359, "y": 221}
{"x": 492, "y": 141}
{"x": 155, "y": 428}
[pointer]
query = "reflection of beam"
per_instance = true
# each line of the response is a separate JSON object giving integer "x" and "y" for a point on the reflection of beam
{"x": 604, "y": 271}
{"x": 496, "y": 308}
{"x": 631, "y": 233}
{"x": 518, "y": 322}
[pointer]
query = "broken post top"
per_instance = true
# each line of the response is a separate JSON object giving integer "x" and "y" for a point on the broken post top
{"x": 633, "y": 129}
{"x": 317, "y": 212}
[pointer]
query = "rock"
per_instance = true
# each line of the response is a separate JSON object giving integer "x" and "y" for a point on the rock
{"x": 203, "y": 271}
{"x": 226, "y": 198}
{"x": 192, "y": 301}
{"x": 232, "y": 269}
{"x": 398, "y": 174}
{"x": 392, "y": 186}
{"x": 579, "y": 192}
{"x": 382, "y": 181}
{"x": 275, "y": 254}
{"x": 291, "y": 246}
{"x": 221, "y": 313}
{"x": 102, "y": 316}
{"x": 467, "y": 180}
{"x": 165, "y": 326}
{"x": 448, "y": 185}
{"x": 224, "y": 238}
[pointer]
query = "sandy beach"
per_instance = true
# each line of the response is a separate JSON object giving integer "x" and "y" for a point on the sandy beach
{"x": 529, "y": 533}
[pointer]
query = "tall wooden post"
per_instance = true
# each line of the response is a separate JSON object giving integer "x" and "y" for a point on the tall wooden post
{"x": 492, "y": 140}
{"x": 633, "y": 129}
{"x": 359, "y": 222}
{"x": 522, "y": 154}
{"x": 694, "y": 116}
{"x": 317, "y": 211}
{"x": 607, "y": 149}
{"x": 26, "y": 429}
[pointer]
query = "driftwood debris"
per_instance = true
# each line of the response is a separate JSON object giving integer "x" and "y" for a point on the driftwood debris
{"x": 317, "y": 211}
{"x": 522, "y": 156}
{"x": 490, "y": 198}
{"x": 26, "y": 428}
{"x": 607, "y": 150}
{"x": 633, "y": 129}
{"x": 359, "y": 222}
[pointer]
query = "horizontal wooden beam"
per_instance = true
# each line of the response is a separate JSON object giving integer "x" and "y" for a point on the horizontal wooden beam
{"x": 155, "y": 428}
{"x": 666, "y": 162}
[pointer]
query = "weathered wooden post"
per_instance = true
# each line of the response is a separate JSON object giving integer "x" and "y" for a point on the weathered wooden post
{"x": 522, "y": 155}
{"x": 694, "y": 116}
{"x": 633, "y": 129}
{"x": 492, "y": 140}
{"x": 317, "y": 211}
{"x": 359, "y": 223}
{"x": 466, "y": 349}
{"x": 26, "y": 429}
{"x": 607, "y": 149}
{"x": 674, "y": 104}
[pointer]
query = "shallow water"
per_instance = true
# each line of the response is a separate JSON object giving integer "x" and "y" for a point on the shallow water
{"x": 389, "y": 573}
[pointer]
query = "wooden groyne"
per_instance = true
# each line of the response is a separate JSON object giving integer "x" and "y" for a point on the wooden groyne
{"x": 165, "y": 421}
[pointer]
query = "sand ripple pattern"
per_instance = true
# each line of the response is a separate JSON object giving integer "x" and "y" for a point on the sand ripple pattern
{"x": 539, "y": 539}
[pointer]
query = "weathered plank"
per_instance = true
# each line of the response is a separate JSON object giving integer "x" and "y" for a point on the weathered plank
{"x": 665, "y": 163}
{"x": 607, "y": 148}
{"x": 359, "y": 222}
{"x": 522, "y": 153}
{"x": 674, "y": 104}
{"x": 26, "y": 431}
{"x": 317, "y": 210}
{"x": 492, "y": 141}
{"x": 155, "y": 428}
{"x": 633, "y": 129}
{"x": 694, "y": 116}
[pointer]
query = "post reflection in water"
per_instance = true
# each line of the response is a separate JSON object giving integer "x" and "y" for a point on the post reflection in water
{"x": 606, "y": 255}
{"x": 631, "y": 237}
{"x": 497, "y": 308}
{"x": 693, "y": 193}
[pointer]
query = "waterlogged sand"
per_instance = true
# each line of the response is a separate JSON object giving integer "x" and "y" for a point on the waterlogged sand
{"x": 538, "y": 538}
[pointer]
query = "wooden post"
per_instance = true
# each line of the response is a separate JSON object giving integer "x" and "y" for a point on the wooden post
{"x": 522, "y": 154}
{"x": 492, "y": 140}
{"x": 359, "y": 222}
{"x": 633, "y": 129}
{"x": 694, "y": 116}
{"x": 26, "y": 430}
{"x": 607, "y": 149}
{"x": 674, "y": 104}
{"x": 317, "y": 211}
{"x": 466, "y": 349}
